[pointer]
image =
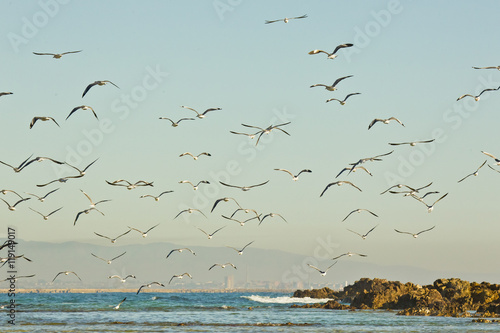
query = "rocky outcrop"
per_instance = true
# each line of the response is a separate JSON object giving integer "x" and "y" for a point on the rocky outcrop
{"x": 445, "y": 297}
{"x": 330, "y": 305}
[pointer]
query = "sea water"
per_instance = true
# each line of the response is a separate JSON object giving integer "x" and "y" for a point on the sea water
{"x": 209, "y": 312}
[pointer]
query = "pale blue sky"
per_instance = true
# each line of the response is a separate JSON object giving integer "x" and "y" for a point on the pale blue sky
{"x": 411, "y": 60}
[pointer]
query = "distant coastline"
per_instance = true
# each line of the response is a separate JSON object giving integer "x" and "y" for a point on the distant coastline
{"x": 134, "y": 290}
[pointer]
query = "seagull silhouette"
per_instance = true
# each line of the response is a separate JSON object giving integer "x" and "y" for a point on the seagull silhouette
{"x": 332, "y": 55}
{"x": 57, "y": 55}
{"x": 98, "y": 83}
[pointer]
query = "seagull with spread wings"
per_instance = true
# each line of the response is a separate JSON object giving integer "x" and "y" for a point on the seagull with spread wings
{"x": 180, "y": 276}
{"x": 294, "y": 177}
{"x": 45, "y": 217}
{"x": 477, "y": 97}
{"x": 242, "y": 223}
{"x": 123, "y": 280}
{"x": 20, "y": 167}
{"x": 189, "y": 211}
{"x": 244, "y": 188}
{"x": 157, "y": 198}
{"x": 56, "y": 55}
{"x": 384, "y": 121}
{"x": 35, "y": 119}
{"x": 359, "y": 210}
{"x": 86, "y": 211}
{"x": 332, "y": 55}
{"x": 180, "y": 251}
{"x": 240, "y": 252}
{"x": 350, "y": 254}
{"x": 109, "y": 261}
{"x": 13, "y": 207}
{"x": 431, "y": 207}
{"x": 209, "y": 236}
{"x": 113, "y": 240}
{"x": 195, "y": 187}
{"x": 339, "y": 183}
{"x": 323, "y": 273}
{"x": 223, "y": 265}
{"x": 149, "y": 285}
{"x": 363, "y": 236}
{"x": 475, "y": 173}
{"x": 225, "y": 199}
{"x": 333, "y": 87}
{"x": 97, "y": 83}
{"x": 353, "y": 169}
{"x": 286, "y": 19}
{"x": 342, "y": 102}
{"x": 412, "y": 143}
{"x": 176, "y": 123}
{"x": 144, "y": 233}
{"x": 201, "y": 115}
{"x": 66, "y": 273}
{"x": 82, "y": 107}
{"x": 195, "y": 157}
{"x": 116, "y": 307}
{"x": 272, "y": 215}
{"x": 414, "y": 235}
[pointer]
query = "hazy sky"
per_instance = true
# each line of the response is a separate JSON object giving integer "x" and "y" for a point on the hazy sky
{"x": 410, "y": 60}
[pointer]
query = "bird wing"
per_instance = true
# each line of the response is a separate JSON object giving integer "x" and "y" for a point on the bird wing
{"x": 374, "y": 121}
{"x": 425, "y": 230}
{"x": 340, "y": 79}
{"x": 339, "y": 256}
{"x": 318, "y": 51}
{"x": 465, "y": 178}
{"x": 229, "y": 185}
{"x": 211, "y": 109}
{"x": 345, "y": 218}
{"x": 33, "y": 121}
{"x": 285, "y": 170}
{"x": 465, "y": 96}
{"x": 71, "y": 52}
{"x": 54, "y": 211}
{"x": 326, "y": 188}
{"x": 481, "y": 166}
{"x": 244, "y": 247}
{"x": 396, "y": 119}
{"x": 355, "y": 232}
{"x": 490, "y": 155}
{"x": 152, "y": 228}
{"x": 102, "y": 235}
{"x": 99, "y": 258}
{"x": 272, "y": 21}
{"x": 439, "y": 199}
{"x": 349, "y": 95}
{"x": 403, "y": 232}
{"x": 184, "y": 119}
{"x": 88, "y": 88}
{"x": 184, "y": 154}
{"x": 119, "y": 256}
{"x": 353, "y": 185}
{"x": 298, "y": 17}
{"x": 34, "y": 211}
{"x": 341, "y": 46}
{"x": 57, "y": 276}
{"x": 185, "y": 107}
{"x": 168, "y": 255}
{"x": 318, "y": 85}
{"x": 38, "y": 53}
{"x": 259, "y": 184}
{"x": 316, "y": 268}
{"x": 165, "y": 118}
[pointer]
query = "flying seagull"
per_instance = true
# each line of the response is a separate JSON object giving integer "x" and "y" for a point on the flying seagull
{"x": 366, "y": 159}
{"x": 57, "y": 55}
{"x": 414, "y": 235}
{"x": 412, "y": 143}
{"x": 18, "y": 277}
{"x": 144, "y": 233}
{"x": 99, "y": 83}
{"x": 92, "y": 204}
{"x": 332, "y": 55}
{"x": 225, "y": 199}
{"x": 353, "y": 169}
{"x": 6, "y": 260}
{"x": 323, "y": 273}
{"x": 384, "y": 121}
{"x": 201, "y": 115}
{"x": 242, "y": 223}
{"x": 123, "y": 280}
{"x": 488, "y": 67}
{"x": 492, "y": 168}
{"x": 240, "y": 252}
{"x": 45, "y": 217}
{"x": 20, "y": 167}
{"x": 176, "y": 123}
{"x": 195, "y": 187}
{"x": 349, "y": 254}
{"x": 339, "y": 183}
{"x": 195, "y": 157}
{"x": 333, "y": 87}
{"x": 113, "y": 240}
{"x": 286, "y": 19}
{"x": 246, "y": 211}
{"x": 81, "y": 172}
{"x": 272, "y": 215}
{"x": 477, "y": 97}
{"x": 267, "y": 130}
{"x": 13, "y": 207}
{"x": 244, "y": 188}
{"x": 497, "y": 161}
{"x": 223, "y": 265}
{"x": 66, "y": 273}
{"x": 129, "y": 185}
{"x": 86, "y": 211}
{"x": 179, "y": 276}
{"x": 342, "y": 102}
{"x": 209, "y": 236}
{"x": 189, "y": 211}
{"x": 475, "y": 173}
{"x": 108, "y": 261}
{"x": 5, "y": 93}
{"x": 180, "y": 251}
{"x": 149, "y": 286}
{"x": 412, "y": 190}
{"x": 365, "y": 235}
{"x": 118, "y": 306}
{"x": 83, "y": 107}
{"x": 157, "y": 198}
{"x": 294, "y": 177}
{"x": 35, "y": 119}
{"x": 40, "y": 159}
{"x": 4, "y": 192}
{"x": 431, "y": 207}
{"x": 359, "y": 210}
{"x": 251, "y": 136}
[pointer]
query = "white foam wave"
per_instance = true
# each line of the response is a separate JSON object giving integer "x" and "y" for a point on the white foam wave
{"x": 285, "y": 299}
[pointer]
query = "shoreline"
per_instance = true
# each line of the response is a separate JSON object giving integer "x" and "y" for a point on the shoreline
{"x": 134, "y": 290}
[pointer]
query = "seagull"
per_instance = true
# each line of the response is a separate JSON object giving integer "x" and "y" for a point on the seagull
{"x": 118, "y": 306}
{"x": 201, "y": 115}
{"x": 149, "y": 286}
{"x": 60, "y": 180}
{"x": 195, "y": 157}
{"x": 57, "y": 55}
{"x": 195, "y": 187}
{"x": 365, "y": 235}
{"x": 339, "y": 183}
{"x": 145, "y": 233}
{"x": 477, "y": 97}
{"x": 475, "y": 173}
{"x": 366, "y": 159}
{"x": 66, "y": 273}
{"x": 45, "y": 217}
{"x": 267, "y": 130}
{"x": 5, "y": 93}
{"x": 247, "y": 210}
{"x": 223, "y": 265}
{"x": 34, "y": 120}
{"x": 209, "y": 236}
{"x": 156, "y": 198}
{"x": 189, "y": 210}
{"x": 408, "y": 187}
{"x": 225, "y": 199}
{"x": 240, "y": 252}
{"x": 414, "y": 235}
{"x": 180, "y": 251}
{"x": 18, "y": 277}
{"x": 272, "y": 215}
{"x": 123, "y": 280}
{"x": 332, "y": 55}
{"x": 323, "y": 273}
{"x": 429, "y": 208}
{"x": 492, "y": 168}
{"x": 113, "y": 240}
{"x": 40, "y": 159}
{"x": 242, "y": 223}
{"x": 13, "y": 207}
{"x": 20, "y": 167}
{"x": 86, "y": 211}
{"x": 359, "y": 210}
{"x": 108, "y": 261}
{"x": 497, "y": 161}
{"x": 412, "y": 191}
{"x": 251, "y": 136}
{"x": 353, "y": 169}
{"x": 5, "y": 260}
{"x": 342, "y": 102}
{"x": 294, "y": 177}
{"x": 333, "y": 86}
{"x": 4, "y": 192}
{"x": 83, "y": 107}
{"x": 489, "y": 67}
{"x": 128, "y": 184}
{"x": 175, "y": 124}
{"x": 99, "y": 83}
{"x": 81, "y": 172}
{"x": 385, "y": 121}
{"x": 179, "y": 276}
{"x": 286, "y": 19}
{"x": 244, "y": 188}
{"x": 92, "y": 204}
{"x": 412, "y": 144}
{"x": 350, "y": 254}
{"x": 8, "y": 242}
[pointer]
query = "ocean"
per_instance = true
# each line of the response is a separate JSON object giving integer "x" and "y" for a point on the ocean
{"x": 208, "y": 312}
